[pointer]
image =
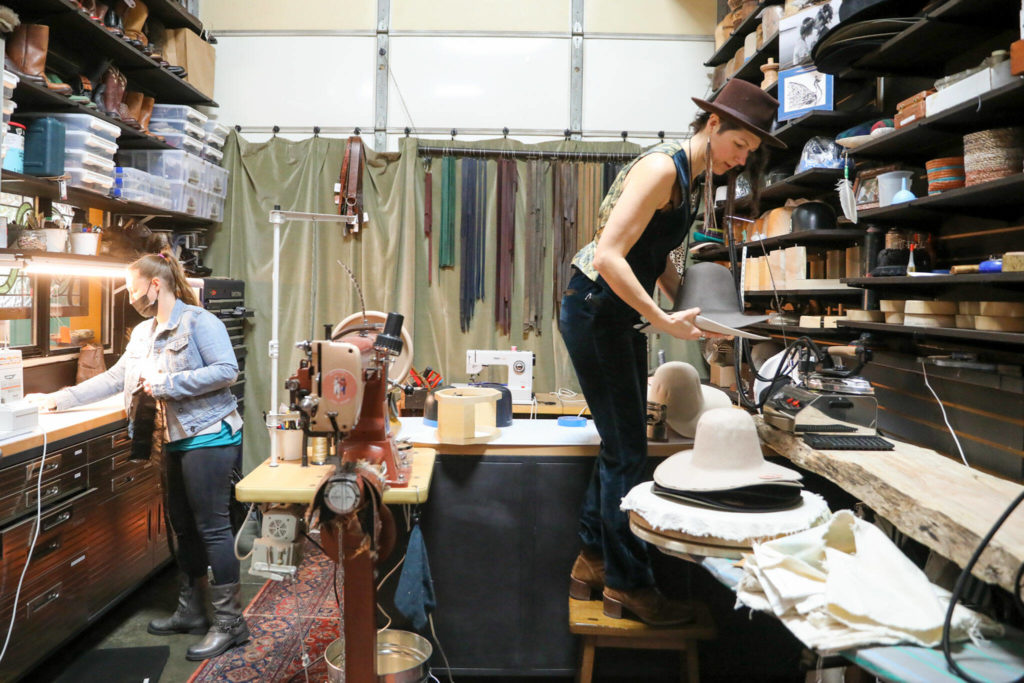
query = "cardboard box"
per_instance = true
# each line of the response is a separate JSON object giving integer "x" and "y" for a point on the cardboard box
{"x": 910, "y": 113}
{"x": 723, "y": 376}
{"x": 968, "y": 88}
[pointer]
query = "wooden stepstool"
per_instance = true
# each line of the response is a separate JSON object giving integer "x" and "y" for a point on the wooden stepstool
{"x": 586, "y": 619}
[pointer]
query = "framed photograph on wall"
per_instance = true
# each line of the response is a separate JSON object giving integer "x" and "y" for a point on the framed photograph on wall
{"x": 803, "y": 89}
{"x": 800, "y": 32}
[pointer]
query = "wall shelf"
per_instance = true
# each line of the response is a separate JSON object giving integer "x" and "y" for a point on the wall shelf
{"x": 984, "y": 336}
{"x": 1015, "y": 280}
{"x": 798, "y": 131}
{"x": 735, "y": 40}
{"x": 797, "y": 185}
{"x": 173, "y": 15}
{"x": 751, "y": 69}
{"x": 995, "y": 108}
{"x": 802, "y": 331}
{"x": 17, "y": 183}
{"x": 32, "y": 98}
{"x": 818, "y": 238}
{"x": 72, "y": 27}
{"x": 821, "y": 291}
{"x": 1004, "y": 193}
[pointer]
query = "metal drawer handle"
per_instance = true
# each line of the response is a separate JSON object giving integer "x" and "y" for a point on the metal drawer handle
{"x": 56, "y": 520}
{"x": 48, "y": 492}
{"x": 47, "y": 549}
{"x": 44, "y": 600}
{"x": 31, "y": 470}
{"x": 119, "y": 440}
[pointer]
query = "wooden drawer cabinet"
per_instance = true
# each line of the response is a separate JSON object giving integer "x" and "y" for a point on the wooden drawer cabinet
{"x": 63, "y": 474}
{"x": 61, "y": 539}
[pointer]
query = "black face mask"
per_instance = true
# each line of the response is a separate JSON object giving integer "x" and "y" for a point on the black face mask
{"x": 145, "y": 307}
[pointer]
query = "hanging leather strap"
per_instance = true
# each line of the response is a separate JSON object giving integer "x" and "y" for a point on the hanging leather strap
{"x": 508, "y": 184}
{"x": 428, "y": 220}
{"x": 564, "y": 214}
{"x": 446, "y": 251}
{"x": 351, "y": 180}
{"x": 472, "y": 232}
{"x": 533, "y": 305}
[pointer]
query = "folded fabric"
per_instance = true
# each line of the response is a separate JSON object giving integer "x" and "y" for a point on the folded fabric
{"x": 695, "y": 520}
{"x": 414, "y": 596}
{"x": 865, "y": 128}
{"x": 845, "y": 584}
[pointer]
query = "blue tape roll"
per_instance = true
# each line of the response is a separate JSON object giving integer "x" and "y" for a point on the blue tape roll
{"x": 572, "y": 421}
{"x": 430, "y": 423}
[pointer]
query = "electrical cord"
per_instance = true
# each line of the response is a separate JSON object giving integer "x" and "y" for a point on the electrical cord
{"x": 959, "y": 587}
{"x": 945, "y": 418}
{"x": 447, "y": 666}
{"x": 31, "y": 547}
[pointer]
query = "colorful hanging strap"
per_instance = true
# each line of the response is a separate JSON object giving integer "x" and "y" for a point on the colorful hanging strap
{"x": 428, "y": 220}
{"x": 508, "y": 184}
{"x": 533, "y": 304}
{"x": 446, "y": 252}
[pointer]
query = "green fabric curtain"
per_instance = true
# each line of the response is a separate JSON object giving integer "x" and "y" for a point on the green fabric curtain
{"x": 388, "y": 257}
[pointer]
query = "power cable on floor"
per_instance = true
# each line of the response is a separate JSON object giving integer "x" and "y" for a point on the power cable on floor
{"x": 31, "y": 547}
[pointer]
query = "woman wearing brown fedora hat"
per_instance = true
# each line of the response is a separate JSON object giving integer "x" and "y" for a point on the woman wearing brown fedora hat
{"x": 646, "y": 214}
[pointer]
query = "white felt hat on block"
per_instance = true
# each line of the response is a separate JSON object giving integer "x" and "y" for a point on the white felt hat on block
{"x": 677, "y": 385}
{"x": 726, "y": 454}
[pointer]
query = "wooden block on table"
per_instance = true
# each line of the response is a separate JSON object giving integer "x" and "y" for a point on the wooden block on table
{"x": 998, "y": 323}
{"x": 777, "y": 268}
{"x": 1013, "y": 261}
{"x": 816, "y": 267}
{"x": 831, "y": 322}
{"x": 922, "y": 307}
{"x": 723, "y": 375}
{"x": 854, "y": 265}
{"x": 812, "y": 321}
{"x": 1002, "y": 309}
{"x": 835, "y": 264}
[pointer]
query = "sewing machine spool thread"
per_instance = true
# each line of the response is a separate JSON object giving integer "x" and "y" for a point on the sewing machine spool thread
{"x": 467, "y": 415}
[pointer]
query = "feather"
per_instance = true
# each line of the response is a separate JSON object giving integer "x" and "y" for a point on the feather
{"x": 8, "y": 19}
{"x": 846, "y": 199}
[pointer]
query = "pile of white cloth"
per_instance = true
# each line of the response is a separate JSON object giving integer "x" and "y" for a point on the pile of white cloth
{"x": 844, "y": 584}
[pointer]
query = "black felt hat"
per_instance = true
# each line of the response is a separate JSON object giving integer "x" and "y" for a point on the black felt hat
{"x": 711, "y": 288}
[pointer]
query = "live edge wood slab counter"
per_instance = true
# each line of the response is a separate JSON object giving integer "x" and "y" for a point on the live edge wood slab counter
{"x": 934, "y": 499}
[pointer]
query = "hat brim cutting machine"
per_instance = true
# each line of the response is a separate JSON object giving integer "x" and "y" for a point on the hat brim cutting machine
{"x": 520, "y": 370}
{"x": 340, "y": 391}
{"x": 829, "y": 397}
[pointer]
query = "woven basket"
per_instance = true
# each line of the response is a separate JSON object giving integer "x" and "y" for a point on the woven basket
{"x": 993, "y": 154}
{"x": 944, "y": 174}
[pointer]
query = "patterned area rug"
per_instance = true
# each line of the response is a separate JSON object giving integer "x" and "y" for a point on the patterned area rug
{"x": 285, "y": 619}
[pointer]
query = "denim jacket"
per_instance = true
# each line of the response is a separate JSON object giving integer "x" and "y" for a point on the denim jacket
{"x": 195, "y": 359}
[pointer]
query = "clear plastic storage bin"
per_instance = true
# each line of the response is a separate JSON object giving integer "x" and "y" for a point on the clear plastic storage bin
{"x": 218, "y": 185}
{"x": 165, "y": 126}
{"x": 179, "y": 111}
{"x": 88, "y": 179}
{"x": 212, "y": 154}
{"x": 174, "y": 165}
{"x": 84, "y": 159}
{"x": 186, "y": 199}
{"x": 11, "y": 81}
{"x": 184, "y": 142}
{"x": 216, "y": 208}
{"x": 80, "y": 140}
{"x": 87, "y": 123}
{"x": 216, "y": 129}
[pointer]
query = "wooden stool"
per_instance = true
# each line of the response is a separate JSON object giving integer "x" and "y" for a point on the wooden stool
{"x": 588, "y": 620}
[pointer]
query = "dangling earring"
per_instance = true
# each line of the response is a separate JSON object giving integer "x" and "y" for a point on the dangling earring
{"x": 710, "y": 224}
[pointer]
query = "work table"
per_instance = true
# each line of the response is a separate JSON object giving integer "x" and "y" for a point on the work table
{"x": 933, "y": 499}
{"x": 62, "y": 425}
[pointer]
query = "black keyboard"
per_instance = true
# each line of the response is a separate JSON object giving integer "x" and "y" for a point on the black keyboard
{"x": 859, "y": 442}
{"x": 822, "y": 429}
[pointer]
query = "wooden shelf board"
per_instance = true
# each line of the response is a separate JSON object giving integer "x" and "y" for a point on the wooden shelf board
{"x": 173, "y": 15}
{"x": 796, "y": 132}
{"x": 18, "y": 183}
{"x": 802, "y": 331}
{"x": 996, "y": 279}
{"x": 939, "y": 332}
{"x": 824, "y": 291}
{"x": 805, "y": 238}
{"x": 751, "y": 69}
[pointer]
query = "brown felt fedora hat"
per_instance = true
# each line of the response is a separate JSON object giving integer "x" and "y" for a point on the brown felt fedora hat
{"x": 747, "y": 105}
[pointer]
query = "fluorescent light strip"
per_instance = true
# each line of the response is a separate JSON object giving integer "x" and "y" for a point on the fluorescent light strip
{"x": 45, "y": 266}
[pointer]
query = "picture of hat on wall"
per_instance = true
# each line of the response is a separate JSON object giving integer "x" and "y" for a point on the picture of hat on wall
{"x": 800, "y": 32}
{"x": 803, "y": 89}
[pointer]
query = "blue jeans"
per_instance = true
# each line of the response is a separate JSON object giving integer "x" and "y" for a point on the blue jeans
{"x": 198, "y": 489}
{"x": 610, "y": 359}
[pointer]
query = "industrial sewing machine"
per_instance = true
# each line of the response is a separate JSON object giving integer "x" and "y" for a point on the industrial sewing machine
{"x": 520, "y": 370}
{"x": 340, "y": 391}
{"x": 829, "y": 398}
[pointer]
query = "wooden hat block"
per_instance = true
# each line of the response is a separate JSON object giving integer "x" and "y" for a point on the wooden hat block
{"x": 467, "y": 415}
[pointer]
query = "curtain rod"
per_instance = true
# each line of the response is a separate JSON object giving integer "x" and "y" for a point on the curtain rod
{"x": 425, "y": 151}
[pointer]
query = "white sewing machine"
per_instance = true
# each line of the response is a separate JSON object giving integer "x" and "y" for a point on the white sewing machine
{"x": 520, "y": 370}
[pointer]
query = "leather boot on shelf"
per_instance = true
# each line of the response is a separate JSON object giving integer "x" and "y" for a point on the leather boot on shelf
{"x": 133, "y": 105}
{"x": 587, "y": 576}
{"x": 646, "y": 604}
{"x": 99, "y": 12}
{"x": 26, "y": 49}
{"x": 113, "y": 19}
{"x": 111, "y": 95}
{"x": 229, "y": 627}
{"x": 134, "y": 21}
{"x": 54, "y": 83}
{"x": 189, "y": 617}
{"x": 146, "y": 113}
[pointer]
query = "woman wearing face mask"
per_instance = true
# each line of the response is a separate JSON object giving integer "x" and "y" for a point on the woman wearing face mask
{"x": 182, "y": 357}
{"x": 647, "y": 213}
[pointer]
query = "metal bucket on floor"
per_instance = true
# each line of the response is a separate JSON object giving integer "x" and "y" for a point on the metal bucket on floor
{"x": 401, "y": 658}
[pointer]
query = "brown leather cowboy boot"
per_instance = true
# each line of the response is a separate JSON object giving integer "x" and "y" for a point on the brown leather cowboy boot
{"x": 587, "y": 576}
{"x": 646, "y": 604}
{"x": 133, "y": 104}
{"x": 27, "y": 48}
{"x": 113, "y": 92}
{"x": 134, "y": 20}
{"x": 147, "y": 113}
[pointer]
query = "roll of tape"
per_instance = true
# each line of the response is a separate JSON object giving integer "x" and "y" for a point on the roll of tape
{"x": 572, "y": 421}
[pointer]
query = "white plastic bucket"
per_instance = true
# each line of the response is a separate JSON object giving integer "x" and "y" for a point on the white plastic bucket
{"x": 890, "y": 183}
{"x": 289, "y": 443}
{"x": 56, "y": 239}
{"x": 85, "y": 243}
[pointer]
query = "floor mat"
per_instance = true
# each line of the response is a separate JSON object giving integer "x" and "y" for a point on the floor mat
{"x": 286, "y": 618}
{"x": 118, "y": 665}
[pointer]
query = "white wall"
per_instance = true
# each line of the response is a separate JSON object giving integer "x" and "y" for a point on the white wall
{"x": 473, "y": 65}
